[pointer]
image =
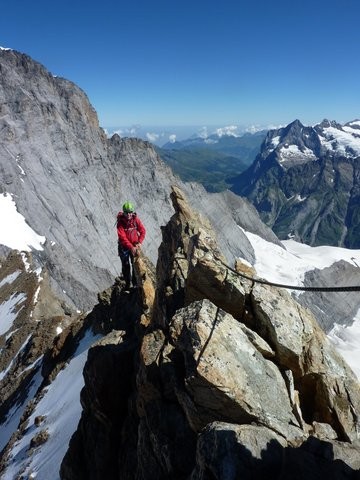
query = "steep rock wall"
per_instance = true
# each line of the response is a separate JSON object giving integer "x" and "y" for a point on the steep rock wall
{"x": 227, "y": 377}
{"x": 69, "y": 181}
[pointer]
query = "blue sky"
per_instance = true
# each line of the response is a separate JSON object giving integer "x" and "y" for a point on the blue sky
{"x": 198, "y": 62}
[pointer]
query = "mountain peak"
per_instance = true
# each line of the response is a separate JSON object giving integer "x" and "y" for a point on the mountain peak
{"x": 295, "y": 123}
{"x": 329, "y": 123}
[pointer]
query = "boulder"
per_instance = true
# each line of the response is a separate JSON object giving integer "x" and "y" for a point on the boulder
{"x": 226, "y": 377}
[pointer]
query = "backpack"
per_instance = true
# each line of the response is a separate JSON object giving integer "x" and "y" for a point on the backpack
{"x": 129, "y": 226}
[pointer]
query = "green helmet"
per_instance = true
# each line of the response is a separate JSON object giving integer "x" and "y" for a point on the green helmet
{"x": 128, "y": 207}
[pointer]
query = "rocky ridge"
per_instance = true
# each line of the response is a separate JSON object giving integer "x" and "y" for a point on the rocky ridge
{"x": 197, "y": 374}
{"x": 220, "y": 378}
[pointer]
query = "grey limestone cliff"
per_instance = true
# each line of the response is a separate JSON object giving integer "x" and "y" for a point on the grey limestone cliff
{"x": 69, "y": 181}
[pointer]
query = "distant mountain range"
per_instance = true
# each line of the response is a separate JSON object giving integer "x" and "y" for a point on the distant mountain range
{"x": 214, "y": 159}
{"x": 305, "y": 183}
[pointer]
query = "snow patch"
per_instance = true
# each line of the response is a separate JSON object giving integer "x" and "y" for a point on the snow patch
{"x": 36, "y": 295}
{"x": 323, "y": 256}
{"x": 355, "y": 122}
{"x": 7, "y": 313}
{"x": 13, "y": 417}
{"x": 33, "y": 365}
{"x": 352, "y": 131}
{"x": 340, "y": 140}
{"x": 293, "y": 152}
{"x": 290, "y": 266}
{"x": 38, "y": 272}
{"x": 61, "y": 408}
{"x": 11, "y": 334}
{"x": 276, "y": 264}
{"x": 275, "y": 141}
{"x": 10, "y": 278}
{"x": 346, "y": 340}
{"x": 4, "y": 372}
{"x": 25, "y": 262}
{"x": 22, "y": 172}
{"x": 17, "y": 235}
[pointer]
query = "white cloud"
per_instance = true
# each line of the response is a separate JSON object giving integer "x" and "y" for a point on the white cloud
{"x": 172, "y": 138}
{"x": 273, "y": 127}
{"x": 113, "y": 132}
{"x": 231, "y": 130}
{"x": 152, "y": 137}
{"x": 258, "y": 128}
{"x": 253, "y": 129}
{"x": 133, "y": 130}
{"x": 203, "y": 132}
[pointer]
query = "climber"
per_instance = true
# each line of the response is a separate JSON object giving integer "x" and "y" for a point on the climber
{"x": 131, "y": 233}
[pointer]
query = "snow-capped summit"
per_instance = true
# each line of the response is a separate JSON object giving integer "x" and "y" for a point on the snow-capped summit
{"x": 297, "y": 144}
{"x": 305, "y": 182}
{"x": 340, "y": 139}
{"x": 292, "y": 144}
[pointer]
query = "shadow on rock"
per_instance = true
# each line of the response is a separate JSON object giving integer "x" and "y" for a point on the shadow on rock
{"x": 251, "y": 452}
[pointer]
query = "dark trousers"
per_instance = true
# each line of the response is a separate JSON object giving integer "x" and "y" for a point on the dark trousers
{"x": 127, "y": 263}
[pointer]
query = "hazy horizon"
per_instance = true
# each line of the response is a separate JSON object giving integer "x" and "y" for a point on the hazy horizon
{"x": 160, "y": 135}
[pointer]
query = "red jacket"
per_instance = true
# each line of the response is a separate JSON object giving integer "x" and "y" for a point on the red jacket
{"x": 130, "y": 230}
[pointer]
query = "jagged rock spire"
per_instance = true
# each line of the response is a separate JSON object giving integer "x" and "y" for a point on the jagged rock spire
{"x": 225, "y": 369}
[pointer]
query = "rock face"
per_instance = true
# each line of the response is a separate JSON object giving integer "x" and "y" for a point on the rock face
{"x": 330, "y": 308}
{"x": 174, "y": 384}
{"x": 219, "y": 378}
{"x": 30, "y": 318}
{"x": 305, "y": 183}
{"x": 69, "y": 182}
